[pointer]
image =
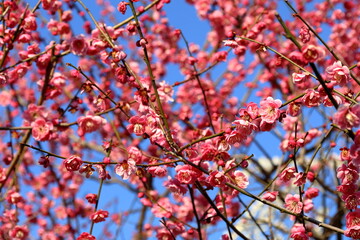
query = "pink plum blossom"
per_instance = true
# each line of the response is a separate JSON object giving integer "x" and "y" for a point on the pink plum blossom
{"x": 347, "y": 116}
{"x": 41, "y": 129}
{"x": 187, "y": 174}
{"x": 352, "y": 224}
{"x": 137, "y": 125}
{"x": 312, "y": 192}
{"x": 312, "y": 53}
{"x": 298, "y": 232}
{"x": 304, "y": 34}
{"x": 85, "y": 236}
{"x": 99, "y": 216}
{"x": 293, "y": 204}
{"x": 121, "y": 7}
{"x": 338, "y": 73}
{"x": 270, "y": 196}
{"x": 19, "y": 232}
{"x": 125, "y": 168}
{"x": 175, "y": 186}
{"x": 269, "y": 110}
{"x": 312, "y": 98}
{"x": 241, "y": 179}
{"x": 217, "y": 179}
{"x": 73, "y": 163}
{"x": 89, "y": 123}
{"x": 91, "y": 198}
{"x": 287, "y": 174}
{"x": 79, "y": 45}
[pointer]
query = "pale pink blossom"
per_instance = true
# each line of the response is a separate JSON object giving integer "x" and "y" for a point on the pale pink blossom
{"x": 293, "y": 204}
{"x": 298, "y": 232}
{"x": 187, "y": 174}
{"x": 25, "y": 38}
{"x": 2, "y": 174}
{"x": 5, "y": 98}
{"x": 163, "y": 234}
{"x": 287, "y": 174}
{"x": 327, "y": 102}
{"x": 348, "y": 173}
{"x": 299, "y": 78}
{"x": 300, "y": 179}
{"x": 269, "y": 110}
{"x": 89, "y": 123}
{"x": 270, "y": 196}
{"x": 157, "y": 136}
{"x": 126, "y": 168}
{"x": 338, "y": 73}
{"x": 308, "y": 205}
{"x": 63, "y": 28}
{"x": 165, "y": 92}
{"x": 219, "y": 56}
{"x": 57, "y": 84}
{"x": 41, "y": 129}
{"x": 312, "y": 53}
{"x": 51, "y": 5}
{"x": 217, "y": 179}
{"x": 162, "y": 208}
{"x": 241, "y": 179}
{"x": 252, "y": 110}
{"x": 312, "y": 98}
{"x": 243, "y": 130}
{"x": 53, "y": 27}
{"x": 202, "y": 7}
{"x": 87, "y": 169}
{"x": 66, "y": 16}
{"x": 294, "y": 109}
{"x": 33, "y": 112}
{"x": 157, "y": 171}
{"x": 135, "y": 153}
{"x": 43, "y": 61}
{"x": 347, "y": 116}
{"x": 345, "y": 154}
{"x": 175, "y": 186}
{"x": 137, "y": 125}
{"x": 4, "y": 78}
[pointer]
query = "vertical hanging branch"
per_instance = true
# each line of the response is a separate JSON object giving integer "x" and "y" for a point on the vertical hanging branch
{"x": 99, "y": 191}
{"x": 296, "y": 14}
{"x": 143, "y": 42}
{"x": 207, "y": 108}
{"x": 19, "y": 155}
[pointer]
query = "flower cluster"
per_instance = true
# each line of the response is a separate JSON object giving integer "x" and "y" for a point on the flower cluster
{"x": 111, "y": 98}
